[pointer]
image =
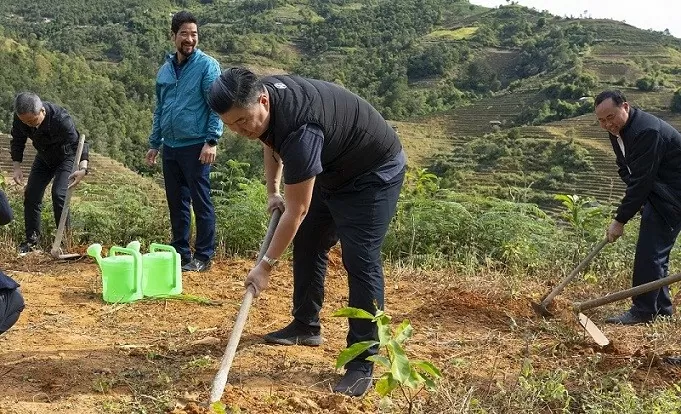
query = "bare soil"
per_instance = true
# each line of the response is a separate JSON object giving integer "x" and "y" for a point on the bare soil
{"x": 72, "y": 353}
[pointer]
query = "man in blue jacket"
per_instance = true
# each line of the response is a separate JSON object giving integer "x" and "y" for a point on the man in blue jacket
{"x": 188, "y": 132}
{"x": 648, "y": 152}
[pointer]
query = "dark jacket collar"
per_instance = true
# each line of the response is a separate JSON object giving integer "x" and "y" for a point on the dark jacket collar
{"x": 633, "y": 112}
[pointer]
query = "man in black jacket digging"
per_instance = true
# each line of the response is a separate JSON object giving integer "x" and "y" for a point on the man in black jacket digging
{"x": 648, "y": 152}
{"x": 54, "y": 136}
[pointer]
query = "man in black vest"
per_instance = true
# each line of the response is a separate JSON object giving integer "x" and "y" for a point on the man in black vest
{"x": 343, "y": 168}
{"x": 54, "y": 135}
{"x": 648, "y": 152}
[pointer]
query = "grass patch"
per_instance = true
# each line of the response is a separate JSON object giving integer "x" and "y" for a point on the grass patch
{"x": 457, "y": 34}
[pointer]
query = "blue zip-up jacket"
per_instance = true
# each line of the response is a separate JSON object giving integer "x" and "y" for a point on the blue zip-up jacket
{"x": 182, "y": 116}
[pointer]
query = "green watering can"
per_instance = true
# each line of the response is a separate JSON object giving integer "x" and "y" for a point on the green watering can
{"x": 121, "y": 274}
{"x": 162, "y": 271}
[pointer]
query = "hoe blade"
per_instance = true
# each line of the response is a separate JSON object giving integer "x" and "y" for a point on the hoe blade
{"x": 593, "y": 330}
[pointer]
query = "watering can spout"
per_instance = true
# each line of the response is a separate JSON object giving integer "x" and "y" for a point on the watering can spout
{"x": 95, "y": 250}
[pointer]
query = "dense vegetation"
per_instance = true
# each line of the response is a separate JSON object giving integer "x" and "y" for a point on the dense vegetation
{"x": 407, "y": 57}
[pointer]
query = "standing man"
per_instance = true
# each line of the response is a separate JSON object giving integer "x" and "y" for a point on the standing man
{"x": 648, "y": 152}
{"x": 55, "y": 137}
{"x": 343, "y": 168}
{"x": 188, "y": 131}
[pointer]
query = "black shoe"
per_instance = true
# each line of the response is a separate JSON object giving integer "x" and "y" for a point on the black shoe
{"x": 294, "y": 334}
{"x": 196, "y": 265}
{"x": 356, "y": 381}
{"x": 27, "y": 247}
{"x": 185, "y": 261}
{"x": 630, "y": 318}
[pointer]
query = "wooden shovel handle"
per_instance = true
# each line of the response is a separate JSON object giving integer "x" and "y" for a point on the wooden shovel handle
{"x": 637, "y": 290}
{"x": 220, "y": 380}
{"x": 67, "y": 201}
{"x": 549, "y": 298}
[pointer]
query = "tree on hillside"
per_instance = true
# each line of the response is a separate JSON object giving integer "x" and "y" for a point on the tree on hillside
{"x": 676, "y": 102}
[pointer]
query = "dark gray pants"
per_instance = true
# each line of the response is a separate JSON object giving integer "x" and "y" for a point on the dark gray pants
{"x": 358, "y": 215}
{"x": 42, "y": 172}
{"x": 11, "y": 305}
{"x": 655, "y": 241}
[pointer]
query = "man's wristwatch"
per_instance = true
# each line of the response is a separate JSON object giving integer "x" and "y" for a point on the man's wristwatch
{"x": 270, "y": 261}
{"x": 212, "y": 142}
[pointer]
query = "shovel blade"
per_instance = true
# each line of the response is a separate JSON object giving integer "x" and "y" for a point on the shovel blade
{"x": 541, "y": 310}
{"x": 593, "y": 330}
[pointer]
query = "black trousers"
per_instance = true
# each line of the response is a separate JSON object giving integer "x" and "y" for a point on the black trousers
{"x": 11, "y": 305}
{"x": 42, "y": 172}
{"x": 358, "y": 215}
{"x": 655, "y": 241}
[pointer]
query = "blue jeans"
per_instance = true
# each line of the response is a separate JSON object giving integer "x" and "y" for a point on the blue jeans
{"x": 358, "y": 215}
{"x": 651, "y": 262}
{"x": 187, "y": 181}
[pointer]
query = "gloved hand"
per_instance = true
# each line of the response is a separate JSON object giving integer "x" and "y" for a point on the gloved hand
{"x": 258, "y": 278}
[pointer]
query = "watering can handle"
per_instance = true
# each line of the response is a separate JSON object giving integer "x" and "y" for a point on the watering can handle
{"x": 131, "y": 252}
{"x": 166, "y": 248}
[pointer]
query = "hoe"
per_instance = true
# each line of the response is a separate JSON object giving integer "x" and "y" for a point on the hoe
{"x": 56, "y": 251}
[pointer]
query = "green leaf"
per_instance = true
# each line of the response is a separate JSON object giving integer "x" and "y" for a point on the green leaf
{"x": 404, "y": 331}
{"x": 400, "y": 366}
{"x": 381, "y": 360}
{"x": 428, "y": 368}
{"x": 415, "y": 379}
{"x": 386, "y": 384}
{"x": 384, "y": 334}
{"x": 351, "y": 352}
{"x": 218, "y": 407}
{"x": 192, "y": 329}
{"x": 355, "y": 313}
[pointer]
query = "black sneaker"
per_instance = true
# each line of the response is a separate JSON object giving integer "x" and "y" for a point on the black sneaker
{"x": 185, "y": 261}
{"x": 27, "y": 247}
{"x": 196, "y": 265}
{"x": 630, "y": 318}
{"x": 356, "y": 381}
{"x": 294, "y": 334}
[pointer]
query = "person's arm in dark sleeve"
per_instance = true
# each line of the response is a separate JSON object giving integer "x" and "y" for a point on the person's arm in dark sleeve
{"x": 623, "y": 171}
{"x": 301, "y": 153}
{"x": 19, "y": 137}
{"x": 6, "y": 215}
{"x": 67, "y": 132}
{"x": 646, "y": 154}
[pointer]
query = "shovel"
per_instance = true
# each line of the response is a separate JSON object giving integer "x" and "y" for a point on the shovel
{"x": 541, "y": 308}
{"x": 220, "y": 380}
{"x": 56, "y": 251}
{"x": 614, "y": 297}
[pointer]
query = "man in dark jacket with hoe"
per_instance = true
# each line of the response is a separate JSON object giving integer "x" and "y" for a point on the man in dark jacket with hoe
{"x": 55, "y": 137}
{"x": 648, "y": 152}
{"x": 343, "y": 168}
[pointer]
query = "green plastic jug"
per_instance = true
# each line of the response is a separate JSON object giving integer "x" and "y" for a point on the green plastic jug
{"x": 121, "y": 274}
{"x": 162, "y": 271}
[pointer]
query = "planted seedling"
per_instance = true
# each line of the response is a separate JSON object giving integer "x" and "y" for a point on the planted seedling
{"x": 411, "y": 377}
